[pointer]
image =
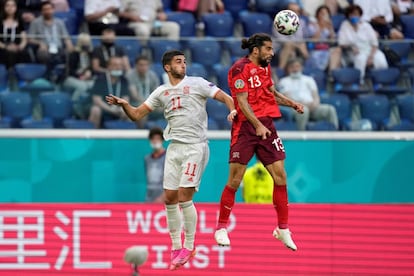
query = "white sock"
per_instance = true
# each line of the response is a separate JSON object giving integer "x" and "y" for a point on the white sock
{"x": 174, "y": 225}
{"x": 190, "y": 223}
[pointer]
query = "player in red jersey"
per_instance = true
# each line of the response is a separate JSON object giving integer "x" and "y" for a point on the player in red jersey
{"x": 253, "y": 131}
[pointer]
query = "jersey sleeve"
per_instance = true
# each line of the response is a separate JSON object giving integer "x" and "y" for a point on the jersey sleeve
{"x": 153, "y": 101}
{"x": 208, "y": 89}
{"x": 237, "y": 79}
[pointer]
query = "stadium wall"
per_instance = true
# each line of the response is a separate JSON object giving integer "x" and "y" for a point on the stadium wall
{"x": 93, "y": 166}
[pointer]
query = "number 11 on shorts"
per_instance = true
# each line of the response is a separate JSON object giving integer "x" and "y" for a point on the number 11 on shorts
{"x": 278, "y": 144}
{"x": 191, "y": 169}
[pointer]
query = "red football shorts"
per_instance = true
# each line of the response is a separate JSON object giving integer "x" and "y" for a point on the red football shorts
{"x": 245, "y": 143}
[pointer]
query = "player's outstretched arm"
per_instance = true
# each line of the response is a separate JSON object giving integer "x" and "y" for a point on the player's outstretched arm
{"x": 283, "y": 100}
{"x": 228, "y": 101}
{"x": 134, "y": 113}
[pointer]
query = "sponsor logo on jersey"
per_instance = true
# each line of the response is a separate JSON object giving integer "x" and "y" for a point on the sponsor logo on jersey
{"x": 166, "y": 93}
{"x": 236, "y": 155}
{"x": 186, "y": 90}
{"x": 253, "y": 71}
{"x": 239, "y": 84}
{"x": 190, "y": 179}
{"x": 211, "y": 84}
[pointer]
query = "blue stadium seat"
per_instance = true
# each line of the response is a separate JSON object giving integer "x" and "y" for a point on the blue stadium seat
{"x": 4, "y": 79}
{"x": 342, "y": 106}
{"x": 406, "y": 111}
{"x": 43, "y": 124}
{"x": 218, "y": 24}
{"x": 320, "y": 126}
{"x": 236, "y": 6}
{"x": 319, "y": 76}
{"x": 78, "y": 124}
{"x": 28, "y": 72}
{"x": 212, "y": 124}
{"x": 337, "y": 20}
{"x": 5, "y": 123}
{"x": 282, "y": 125}
{"x": 287, "y": 113}
{"x": 205, "y": 51}
{"x": 347, "y": 81}
{"x": 161, "y": 123}
{"x": 158, "y": 69}
{"x": 131, "y": 46}
{"x": 16, "y": 106}
{"x": 186, "y": 21}
{"x": 218, "y": 112}
{"x": 159, "y": 46}
{"x": 271, "y": 7}
{"x": 197, "y": 70}
{"x": 115, "y": 124}
{"x": 167, "y": 5}
{"x": 221, "y": 72}
{"x": 233, "y": 46}
{"x": 70, "y": 19}
{"x": 385, "y": 81}
{"x": 375, "y": 108}
{"x": 407, "y": 22}
{"x": 56, "y": 106}
{"x": 254, "y": 22}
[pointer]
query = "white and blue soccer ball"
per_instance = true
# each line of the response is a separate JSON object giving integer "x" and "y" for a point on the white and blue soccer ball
{"x": 286, "y": 22}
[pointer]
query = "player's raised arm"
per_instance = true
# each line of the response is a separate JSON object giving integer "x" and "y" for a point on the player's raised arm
{"x": 134, "y": 113}
{"x": 283, "y": 100}
{"x": 228, "y": 101}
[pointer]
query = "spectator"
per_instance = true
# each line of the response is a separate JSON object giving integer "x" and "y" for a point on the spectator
{"x": 400, "y": 7}
{"x": 61, "y": 5}
{"x": 292, "y": 45}
{"x": 14, "y": 40}
{"x": 50, "y": 37}
{"x": 111, "y": 82}
{"x": 336, "y": 6}
{"x": 30, "y": 9}
{"x": 154, "y": 166}
{"x": 102, "y": 15}
{"x": 148, "y": 18}
{"x": 209, "y": 6}
{"x": 379, "y": 14}
{"x": 142, "y": 81}
{"x": 257, "y": 185}
{"x": 80, "y": 74}
{"x": 323, "y": 55}
{"x": 303, "y": 89}
{"x": 107, "y": 49}
{"x": 359, "y": 42}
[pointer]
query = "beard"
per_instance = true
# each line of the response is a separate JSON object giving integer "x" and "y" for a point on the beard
{"x": 176, "y": 74}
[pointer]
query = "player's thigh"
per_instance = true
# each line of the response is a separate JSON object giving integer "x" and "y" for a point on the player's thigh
{"x": 277, "y": 171}
{"x": 172, "y": 168}
{"x": 271, "y": 149}
{"x": 243, "y": 144}
{"x": 194, "y": 161}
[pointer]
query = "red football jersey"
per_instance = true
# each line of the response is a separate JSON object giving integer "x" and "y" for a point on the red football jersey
{"x": 245, "y": 76}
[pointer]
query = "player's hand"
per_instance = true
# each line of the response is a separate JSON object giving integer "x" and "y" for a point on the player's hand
{"x": 298, "y": 107}
{"x": 263, "y": 132}
{"x": 232, "y": 115}
{"x": 114, "y": 100}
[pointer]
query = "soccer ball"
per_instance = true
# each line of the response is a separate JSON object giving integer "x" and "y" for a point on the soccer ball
{"x": 286, "y": 22}
{"x": 136, "y": 255}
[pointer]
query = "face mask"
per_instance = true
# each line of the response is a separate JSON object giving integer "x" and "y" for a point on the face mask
{"x": 85, "y": 48}
{"x": 296, "y": 75}
{"x": 156, "y": 146}
{"x": 116, "y": 73}
{"x": 354, "y": 19}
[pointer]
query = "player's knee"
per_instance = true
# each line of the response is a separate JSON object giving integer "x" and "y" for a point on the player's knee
{"x": 235, "y": 182}
{"x": 170, "y": 198}
{"x": 280, "y": 177}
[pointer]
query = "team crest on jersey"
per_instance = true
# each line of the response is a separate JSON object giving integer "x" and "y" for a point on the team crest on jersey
{"x": 236, "y": 155}
{"x": 239, "y": 84}
{"x": 166, "y": 93}
{"x": 186, "y": 90}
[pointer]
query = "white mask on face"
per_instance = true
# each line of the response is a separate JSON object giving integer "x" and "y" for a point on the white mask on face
{"x": 156, "y": 145}
{"x": 296, "y": 75}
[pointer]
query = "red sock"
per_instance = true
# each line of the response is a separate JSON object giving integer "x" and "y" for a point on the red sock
{"x": 280, "y": 202}
{"x": 226, "y": 204}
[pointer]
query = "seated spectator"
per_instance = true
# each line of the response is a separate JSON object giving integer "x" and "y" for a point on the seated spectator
{"x": 30, "y": 9}
{"x": 336, "y": 6}
{"x": 401, "y": 7}
{"x": 102, "y": 15}
{"x": 324, "y": 56}
{"x": 61, "y": 5}
{"x": 50, "y": 37}
{"x": 80, "y": 74}
{"x": 379, "y": 14}
{"x": 154, "y": 166}
{"x": 292, "y": 45}
{"x": 112, "y": 82}
{"x": 142, "y": 81}
{"x": 209, "y": 6}
{"x": 107, "y": 49}
{"x": 148, "y": 18}
{"x": 359, "y": 42}
{"x": 303, "y": 89}
{"x": 14, "y": 40}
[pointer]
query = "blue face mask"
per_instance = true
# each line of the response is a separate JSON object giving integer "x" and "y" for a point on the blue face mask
{"x": 354, "y": 19}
